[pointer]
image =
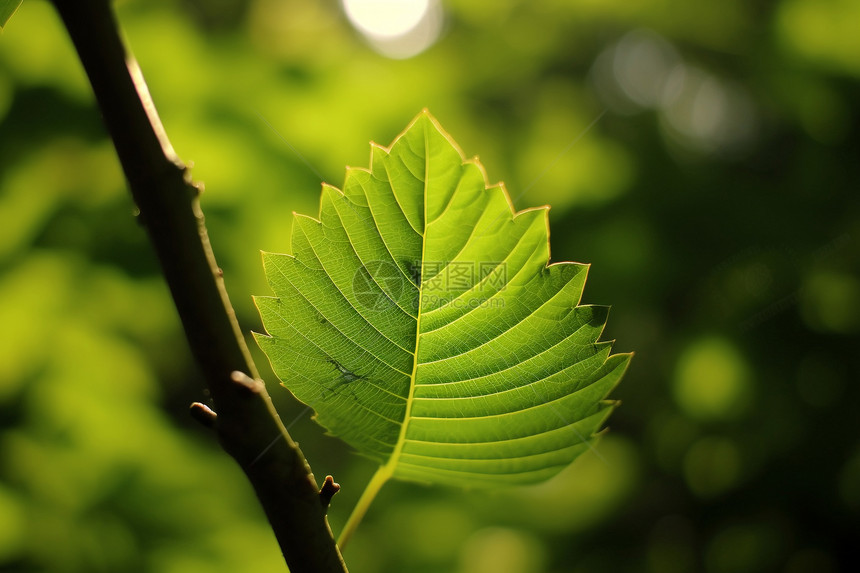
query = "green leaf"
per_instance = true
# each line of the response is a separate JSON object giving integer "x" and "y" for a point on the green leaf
{"x": 420, "y": 319}
{"x": 7, "y": 9}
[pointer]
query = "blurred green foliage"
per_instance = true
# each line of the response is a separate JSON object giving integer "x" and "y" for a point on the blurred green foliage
{"x": 715, "y": 195}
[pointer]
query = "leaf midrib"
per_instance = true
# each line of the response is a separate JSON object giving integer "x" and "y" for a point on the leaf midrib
{"x": 391, "y": 465}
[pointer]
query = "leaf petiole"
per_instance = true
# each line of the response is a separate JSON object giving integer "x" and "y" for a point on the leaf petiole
{"x": 382, "y": 475}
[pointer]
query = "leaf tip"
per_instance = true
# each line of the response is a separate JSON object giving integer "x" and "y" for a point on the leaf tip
{"x": 7, "y": 10}
{"x": 624, "y": 358}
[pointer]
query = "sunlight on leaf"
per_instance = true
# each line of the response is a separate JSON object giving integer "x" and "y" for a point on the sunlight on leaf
{"x": 420, "y": 319}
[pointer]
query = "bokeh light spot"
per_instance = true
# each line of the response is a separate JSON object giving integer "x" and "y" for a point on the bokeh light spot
{"x": 501, "y": 550}
{"x": 434, "y": 531}
{"x": 712, "y": 466}
{"x": 708, "y": 114}
{"x": 830, "y": 301}
{"x": 744, "y": 548}
{"x": 697, "y": 109}
{"x": 633, "y": 74}
{"x": 385, "y": 18}
{"x": 823, "y": 32}
{"x": 396, "y": 28}
{"x": 641, "y": 65}
{"x": 586, "y": 492}
{"x": 712, "y": 380}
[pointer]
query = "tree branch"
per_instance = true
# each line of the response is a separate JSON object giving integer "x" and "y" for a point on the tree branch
{"x": 247, "y": 424}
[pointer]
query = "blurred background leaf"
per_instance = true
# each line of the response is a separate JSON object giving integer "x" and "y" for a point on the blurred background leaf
{"x": 702, "y": 156}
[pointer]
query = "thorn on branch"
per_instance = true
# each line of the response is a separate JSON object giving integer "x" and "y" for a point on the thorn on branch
{"x": 247, "y": 383}
{"x": 203, "y": 414}
{"x": 327, "y": 491}
{"x": 186, "y": 166}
